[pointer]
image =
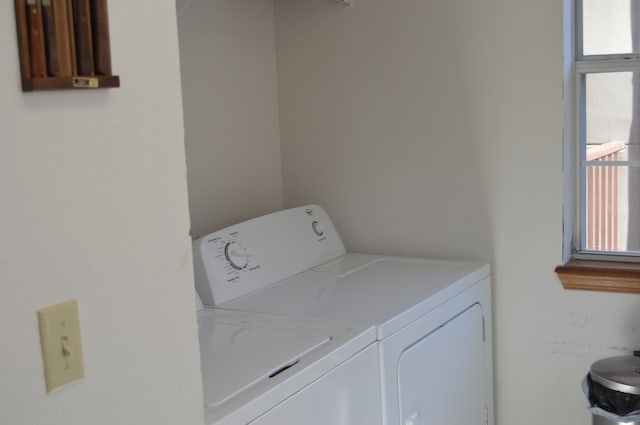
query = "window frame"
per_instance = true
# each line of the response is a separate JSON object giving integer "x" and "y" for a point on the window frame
{"x": 584, "y": 65}
{"x": 581, "y": 270}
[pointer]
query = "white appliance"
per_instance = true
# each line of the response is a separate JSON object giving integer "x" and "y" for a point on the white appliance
{"x": 431, "y": 319}
{"x": 269, "y": 369}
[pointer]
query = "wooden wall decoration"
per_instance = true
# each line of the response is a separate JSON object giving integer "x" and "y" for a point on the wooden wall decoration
{"x": 64, "y": 44}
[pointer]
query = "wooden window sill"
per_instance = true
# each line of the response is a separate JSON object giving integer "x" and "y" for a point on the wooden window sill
{"x": 605, "y": 276}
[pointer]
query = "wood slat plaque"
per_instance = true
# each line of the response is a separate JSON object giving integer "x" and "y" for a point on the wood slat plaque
{"x": 64, "y": 44}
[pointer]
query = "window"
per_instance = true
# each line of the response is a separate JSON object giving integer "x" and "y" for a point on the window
{"x": 606, "y": 134}
{"x": 607, "y": 67}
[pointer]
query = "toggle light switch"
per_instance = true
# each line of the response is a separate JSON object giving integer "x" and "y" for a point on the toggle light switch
{"x": 61, "y": 345}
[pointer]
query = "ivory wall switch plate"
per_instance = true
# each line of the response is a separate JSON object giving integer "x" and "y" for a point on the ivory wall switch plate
{"x": 61, "y": 345}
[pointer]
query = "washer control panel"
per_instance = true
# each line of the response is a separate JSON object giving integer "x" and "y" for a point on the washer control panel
{"x": 251, "y": 255}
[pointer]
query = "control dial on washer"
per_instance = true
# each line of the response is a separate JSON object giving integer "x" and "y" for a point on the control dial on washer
{"x": 317, "y": 228}
{"x": 236, "y": 255}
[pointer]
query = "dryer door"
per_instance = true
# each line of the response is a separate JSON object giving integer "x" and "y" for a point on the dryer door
{"x": 441, "y": 378}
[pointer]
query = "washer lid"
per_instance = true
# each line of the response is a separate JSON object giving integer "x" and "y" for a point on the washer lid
{"x": 251, "y": 353}
{"x": 621, "y": 373}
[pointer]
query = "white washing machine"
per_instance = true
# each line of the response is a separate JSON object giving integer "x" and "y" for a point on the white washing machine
{"x": 269, "y": 369}
{"x": 431, "y": 318}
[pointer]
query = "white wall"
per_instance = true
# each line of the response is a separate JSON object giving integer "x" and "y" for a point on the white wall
{"x": 444, "y": 119}
{"x": 232, "y": 136}
{"x": 94, "y": 207}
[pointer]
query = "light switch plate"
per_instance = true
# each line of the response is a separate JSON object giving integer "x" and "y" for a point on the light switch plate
{"x": 61, "y": 345}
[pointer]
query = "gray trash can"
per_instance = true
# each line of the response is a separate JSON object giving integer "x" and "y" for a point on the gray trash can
{"x": 614, "y": 390}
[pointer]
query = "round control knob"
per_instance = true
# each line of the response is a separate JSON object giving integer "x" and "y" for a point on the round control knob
{"x": 317, "y": 228}
{"x": 236, "y": 255}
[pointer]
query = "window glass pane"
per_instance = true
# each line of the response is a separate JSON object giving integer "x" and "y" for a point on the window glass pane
{"x": 611, "y": 201}
{"x": 610, "y": 26}
{"x": 609, "y": 103}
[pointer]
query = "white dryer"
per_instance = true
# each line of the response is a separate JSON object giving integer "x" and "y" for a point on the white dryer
{"x": 432, "y": 318}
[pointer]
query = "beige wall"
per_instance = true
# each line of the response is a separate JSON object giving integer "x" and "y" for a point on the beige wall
{"x": 232, "y": 136}
{"x": 435, "y": 128}
{"x": 94, "y": 207}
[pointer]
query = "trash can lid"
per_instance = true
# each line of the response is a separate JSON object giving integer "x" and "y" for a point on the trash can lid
{"x": 621, "y": 373}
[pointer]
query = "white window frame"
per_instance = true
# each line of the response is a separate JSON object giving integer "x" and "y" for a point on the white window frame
{"x": 577, "y": 71}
